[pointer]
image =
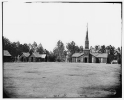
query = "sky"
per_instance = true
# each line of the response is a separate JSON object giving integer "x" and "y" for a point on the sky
{"x": 46, "y": 23}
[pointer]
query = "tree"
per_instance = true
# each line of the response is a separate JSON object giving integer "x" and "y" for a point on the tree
{"x": 14, "y": 48}
{"x": 40, "y": 49}
{"x": 31, "y": 48}
{"x": 59, "y": 51}
{"x": 6, "y": 44}
{"x": 34, "y": 46}
{"x": 51, "y": 57}
{"x": 119, "y": 50}
{"x": 81, "y": 49}
{"x": 72, "y": 48}
{"x": 110, "y": 50}
{"x": 119, "y": 56}
{"x": 102, "y": 49}
{"x": 96, "y": 48}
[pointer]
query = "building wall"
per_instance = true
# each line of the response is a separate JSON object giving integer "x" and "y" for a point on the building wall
{"x": 76, "y": 59}
{"x": 93, "y": 59}
{"x": 7, "y": 59}
{"x": 23, "y": 59}
{"x": 73, "y": 59}
{"x": 86, "y": 59}
{"x": 32, "y": 58}
{"x": 81, "y": 59}
{"x": 103, "y": 60}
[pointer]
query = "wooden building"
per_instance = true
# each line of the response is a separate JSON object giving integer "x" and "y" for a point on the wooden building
{"x": 6, "y": 56}
{"x": 36, "y": 57}
{"x": 24, "y": 57}
{"x": 77, "y": 57}
{"x": 99, "y": 57}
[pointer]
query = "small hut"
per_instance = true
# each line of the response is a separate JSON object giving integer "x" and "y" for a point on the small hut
{"x": 36, "y": 57}
{"x": 24, "y": 57}
{"x": 77, "y": 57}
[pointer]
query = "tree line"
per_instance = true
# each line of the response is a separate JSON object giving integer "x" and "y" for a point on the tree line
{"x": 60, "y": 52}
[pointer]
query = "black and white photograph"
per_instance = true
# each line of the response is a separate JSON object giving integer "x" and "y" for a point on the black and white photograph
{"x": 60, "y": 49}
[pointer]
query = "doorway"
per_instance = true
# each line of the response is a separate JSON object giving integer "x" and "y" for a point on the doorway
{"x": 31, "y": 59}
{"x": 85, "y": 60}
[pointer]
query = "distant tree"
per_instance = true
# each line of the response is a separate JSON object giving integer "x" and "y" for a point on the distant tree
{"x": 119, "y": 56}
{"x": 34, "y": 46}
{"x": 6, "y": 44}
{"x": 91, "y": 47}
{"x": 102, "y": 49}
{"x": 119, "y": 50}
{"x": 59, "y": 51}
{"x": 40, "y": 49}
{"x": 65, "y": 53}
{"x": 96, "y": 48}
{"x": 25, "y": 48}
{"x": 72, "y": 48}
{"x": 99, "y": 47}
{"x": 51, "y": 57}
{"x": 31, "y": 49}
{"x": 81, "y": 48}
{"x": 111, "y": 51}
{"x": 17, "y": 43}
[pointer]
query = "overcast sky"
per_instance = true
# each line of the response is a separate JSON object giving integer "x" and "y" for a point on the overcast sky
{"x": 46, "y": 23}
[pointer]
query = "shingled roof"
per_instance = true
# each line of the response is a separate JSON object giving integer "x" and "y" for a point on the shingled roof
{"x": 94, "y": 54}
{"x": 100, "y": 55}
{"x": 6, "y": 53}
{"x": 26, "y": 54}
{"x": 77, "y": 54}
{"x": 36, "y": 54}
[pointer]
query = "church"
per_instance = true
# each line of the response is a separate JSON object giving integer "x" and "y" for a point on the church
{"x": 88, "y": 55}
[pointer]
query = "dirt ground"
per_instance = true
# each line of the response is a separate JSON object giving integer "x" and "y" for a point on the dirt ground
{"x": 61, "y": 80}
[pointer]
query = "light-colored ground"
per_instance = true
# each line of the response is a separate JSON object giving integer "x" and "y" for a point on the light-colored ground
{"x": 48, "y": 79}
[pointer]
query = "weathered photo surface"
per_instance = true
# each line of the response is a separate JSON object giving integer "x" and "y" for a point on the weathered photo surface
{"x": 62, "y": 50}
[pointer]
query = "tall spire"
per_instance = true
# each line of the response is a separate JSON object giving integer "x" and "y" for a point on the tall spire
{"x": 87, "y": 34}
{"x": 86, "y": 39}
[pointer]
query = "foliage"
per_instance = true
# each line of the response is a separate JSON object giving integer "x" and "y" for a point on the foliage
{"x": 51, "y": 57}
{"x": 73, "y": 48}
{"x": 40, "y": 49}
{"x": 15, "y": 48}
{"x": 59, "y": 51}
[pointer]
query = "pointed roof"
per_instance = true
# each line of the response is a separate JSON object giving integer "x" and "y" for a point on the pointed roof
{"x": 100, "y": 55}
{"x": 6, "y": 53}
{"x": 36, "y": 54}
{"x": 77, "y": 54}
{"x": 86, "y": 39}
{"x": 26, "y": 54}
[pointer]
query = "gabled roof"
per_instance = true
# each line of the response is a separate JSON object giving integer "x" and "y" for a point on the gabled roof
{"x": 26, "y": 54}
{"x": 36, "y": 54}
{"x": 6, "y": 53}
{"x": 100, "y": 55}
{"x": 77, "y": 54}
{"x": 43, "y": 55}
{"x": 94, "y": 54}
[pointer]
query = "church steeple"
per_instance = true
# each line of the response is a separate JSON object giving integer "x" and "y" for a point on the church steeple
{"x": 87, "y": 40}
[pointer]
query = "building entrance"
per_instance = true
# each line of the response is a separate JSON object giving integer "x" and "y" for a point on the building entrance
{"x": 85, "y": 60}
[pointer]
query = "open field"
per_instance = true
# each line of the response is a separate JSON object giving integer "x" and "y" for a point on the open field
{"x": 48, "y": 80}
